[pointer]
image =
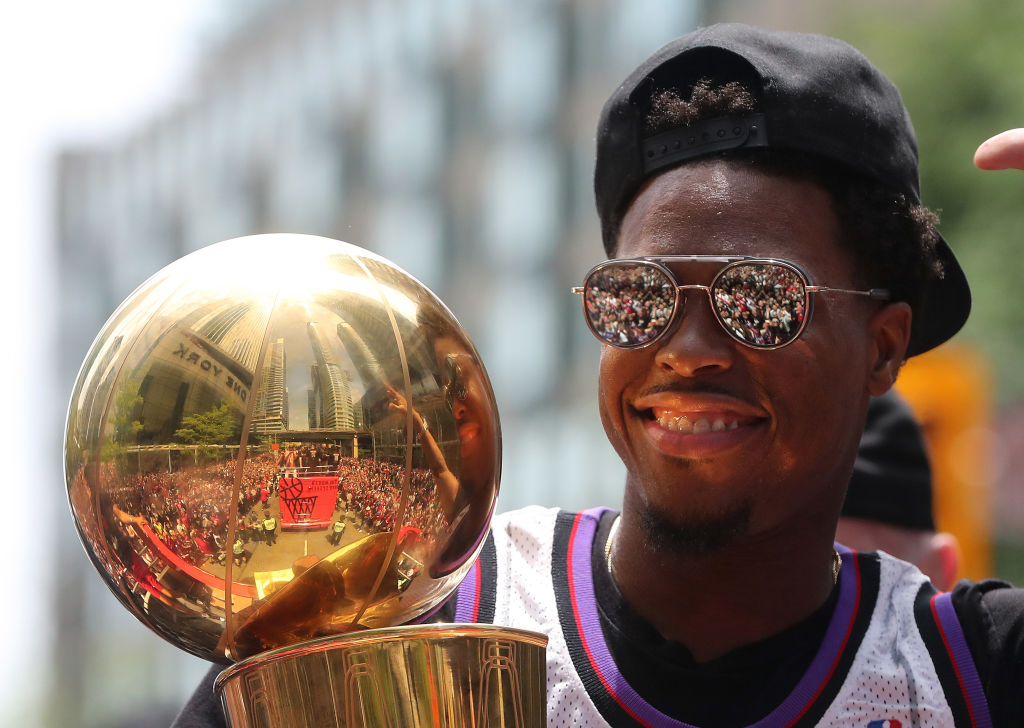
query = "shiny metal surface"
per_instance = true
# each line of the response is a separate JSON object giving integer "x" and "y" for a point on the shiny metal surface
{"x": 431, "y": 675}
{"x": 242, "y": 460}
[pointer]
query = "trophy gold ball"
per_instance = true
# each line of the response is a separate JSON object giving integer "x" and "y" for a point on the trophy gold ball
{"x": 280, "y": 438}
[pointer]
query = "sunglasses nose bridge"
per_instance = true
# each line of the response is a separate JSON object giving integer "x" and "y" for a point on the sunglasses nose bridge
{"x": 695, "y": 341}
{"x": 683, "y": 291}
{"x": 692, "y": 287}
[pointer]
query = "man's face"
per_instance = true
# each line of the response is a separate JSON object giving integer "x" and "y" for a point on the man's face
{"x": 721, "y": 440}
{"x": 468, "y": 394}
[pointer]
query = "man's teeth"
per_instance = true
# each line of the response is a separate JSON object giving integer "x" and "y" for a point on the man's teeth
{"x": 697, "y": 426}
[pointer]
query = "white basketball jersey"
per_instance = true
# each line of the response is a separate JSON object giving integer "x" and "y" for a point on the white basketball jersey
{"x": 893, "y": 655}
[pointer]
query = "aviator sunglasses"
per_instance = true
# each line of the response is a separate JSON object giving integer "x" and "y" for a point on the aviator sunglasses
{"x": 763, "y": 303}
{"x": 454, "y": 385}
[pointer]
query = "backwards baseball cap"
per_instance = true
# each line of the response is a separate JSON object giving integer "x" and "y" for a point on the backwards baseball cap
{"x": 815, "y": 95}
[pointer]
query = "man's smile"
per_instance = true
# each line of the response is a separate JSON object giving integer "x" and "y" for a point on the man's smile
{"x": 687, "y": 424}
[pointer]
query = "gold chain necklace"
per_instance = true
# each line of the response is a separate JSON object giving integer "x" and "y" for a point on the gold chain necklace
{"x": 837, "y": 560}
{"x": 612, "y": 533}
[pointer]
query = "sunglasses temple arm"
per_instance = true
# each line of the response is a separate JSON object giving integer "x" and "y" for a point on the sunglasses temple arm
{"x": 876, "y": 294}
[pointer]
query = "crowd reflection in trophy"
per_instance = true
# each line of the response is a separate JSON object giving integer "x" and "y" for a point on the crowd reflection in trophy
{"x": 187, "y": 512}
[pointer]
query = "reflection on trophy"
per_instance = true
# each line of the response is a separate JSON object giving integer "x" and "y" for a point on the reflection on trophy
{"x": 279, "y": 449}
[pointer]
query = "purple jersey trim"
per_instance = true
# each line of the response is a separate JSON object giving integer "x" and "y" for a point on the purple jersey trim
{"x": 585, "y": 606}
{"x": 468, "y": 601}
{"x": 961, "y": 654}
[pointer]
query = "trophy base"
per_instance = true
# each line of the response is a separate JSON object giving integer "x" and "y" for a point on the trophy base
{"x": 458, "y": 675}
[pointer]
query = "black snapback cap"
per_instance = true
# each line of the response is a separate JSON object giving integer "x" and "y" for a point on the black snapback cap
{"x": 815, "y": 94}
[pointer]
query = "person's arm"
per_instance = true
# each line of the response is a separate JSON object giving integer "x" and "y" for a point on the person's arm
{"x": 991, "y": 614}
{"x": 447, "y": 483}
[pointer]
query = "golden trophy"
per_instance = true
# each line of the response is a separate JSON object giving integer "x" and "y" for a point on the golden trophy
{"x": 282, "y": 452}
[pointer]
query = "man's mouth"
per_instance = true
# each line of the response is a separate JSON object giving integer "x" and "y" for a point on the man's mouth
{"x": 686, "y": 424}
{"x": 695, "y": 424}
{"x": 468, "y": 431}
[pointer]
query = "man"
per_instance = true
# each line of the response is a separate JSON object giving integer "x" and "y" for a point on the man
{"x": 239, "y": 552}
{"x": 337, "y": 530}
{"x": 888, "y": 505}
{"x": 715, "y": 598}
{"x": 269, "y": 528}
{"x": 762, "y": 189}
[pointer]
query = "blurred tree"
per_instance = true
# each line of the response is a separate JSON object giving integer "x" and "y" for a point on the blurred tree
{"x": 221, "y": 425}
{"x": 125, "y": 419}
{"x": 960, "y": 67}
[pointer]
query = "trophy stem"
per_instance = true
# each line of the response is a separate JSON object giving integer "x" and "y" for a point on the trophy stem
{"x": 462, "y": 676}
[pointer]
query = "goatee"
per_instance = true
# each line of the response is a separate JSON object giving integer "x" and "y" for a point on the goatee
{"x": 698, "y": 535}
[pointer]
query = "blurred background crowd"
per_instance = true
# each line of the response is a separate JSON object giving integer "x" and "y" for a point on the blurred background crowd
{"x": 454, "y": 137}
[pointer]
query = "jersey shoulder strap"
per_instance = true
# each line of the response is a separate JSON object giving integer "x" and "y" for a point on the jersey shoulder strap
{"x": 475, "y": 597}
{"x": 944, "y": 637}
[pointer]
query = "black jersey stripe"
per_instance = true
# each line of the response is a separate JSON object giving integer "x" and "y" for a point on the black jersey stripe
{"x": 487, "y": 562}
{"x": 869, "y": 575}
{"x": 963, "y": 662}
{"x": 566, "y": 529}
{"x": 944, "y": 668}
{"x": 943, "y": 636}
{"x": 476, "y": 595}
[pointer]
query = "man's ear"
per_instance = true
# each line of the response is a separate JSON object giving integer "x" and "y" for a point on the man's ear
{"x": 889, "y": 329}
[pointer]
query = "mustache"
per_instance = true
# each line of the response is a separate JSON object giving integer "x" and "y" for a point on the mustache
{"x": 703, "y": 388}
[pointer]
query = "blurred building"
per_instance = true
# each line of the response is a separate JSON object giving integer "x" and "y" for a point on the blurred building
{"x": 454, "y": 137}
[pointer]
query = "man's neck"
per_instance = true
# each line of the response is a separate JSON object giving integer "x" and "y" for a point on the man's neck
{"x": 714, "y": 603}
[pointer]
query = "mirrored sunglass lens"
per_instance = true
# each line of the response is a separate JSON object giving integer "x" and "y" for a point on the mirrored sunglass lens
{"x": 760, "y": 303}
{"x": 454, "y": 388}
{"x": 629, "y": 304}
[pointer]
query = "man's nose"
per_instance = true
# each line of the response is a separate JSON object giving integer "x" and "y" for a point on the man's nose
{"x": 697, "y": 344}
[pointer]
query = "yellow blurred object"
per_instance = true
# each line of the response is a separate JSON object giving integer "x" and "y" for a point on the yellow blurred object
{"x": 949, "y": 390}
